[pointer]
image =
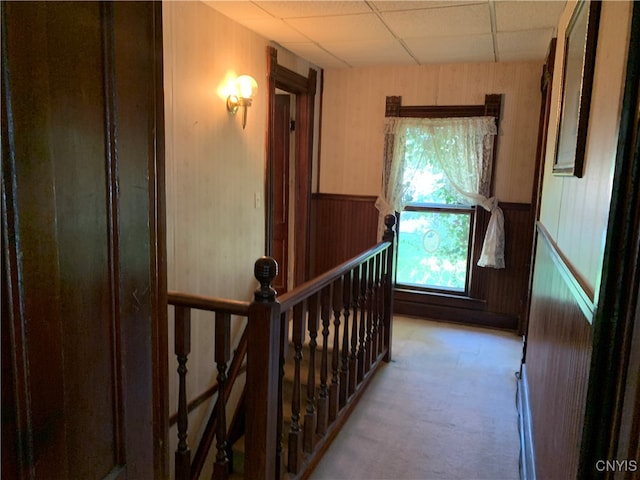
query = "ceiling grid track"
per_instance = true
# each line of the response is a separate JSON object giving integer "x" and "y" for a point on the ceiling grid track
{"x": 494, "y": 29}
{"x": 400, "y": 41}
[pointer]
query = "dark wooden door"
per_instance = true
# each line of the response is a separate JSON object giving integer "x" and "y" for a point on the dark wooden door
{"x": 83, "y": 272}
{"x": 281, "y": 190}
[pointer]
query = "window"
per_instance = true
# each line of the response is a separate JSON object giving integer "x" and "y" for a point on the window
{"x": 434, "y": 231}
{"x": 437, "y": 171}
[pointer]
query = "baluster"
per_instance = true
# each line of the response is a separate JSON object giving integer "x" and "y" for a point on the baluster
{"x": 182, "y": 347}
{"x": 377, "y": 307}
{"x": 344, "y": 369}
{"x": 222, "y": 356}
{"x": 368, "y": 352}
{"x": 383, "y": 299}
{"x": 353, "y": 355}
{"x": 295, "y": 432}
{"x": 310, "y": 414}
{"x": 323, "y": 394}
{"x": 336, "y": 301}
{"x": 362, "y": 301}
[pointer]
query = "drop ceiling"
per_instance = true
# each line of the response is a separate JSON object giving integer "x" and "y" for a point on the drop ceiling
{"x": 359, "y": 33}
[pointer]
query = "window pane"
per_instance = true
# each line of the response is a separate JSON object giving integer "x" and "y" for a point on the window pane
{"x": 426, "y": 181}
{"x": 433, "y": 249}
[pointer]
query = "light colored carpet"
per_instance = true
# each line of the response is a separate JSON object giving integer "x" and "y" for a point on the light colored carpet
{"x": 444, "y": 408}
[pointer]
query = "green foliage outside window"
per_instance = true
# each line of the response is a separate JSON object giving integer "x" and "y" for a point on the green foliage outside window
{"x": 432, "y": 246}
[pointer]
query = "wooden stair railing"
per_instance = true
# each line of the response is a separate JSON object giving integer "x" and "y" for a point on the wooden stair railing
{"x": 341, "y": 320}
{"x": 353, "y": 304}
{"x": 216, "y": 426}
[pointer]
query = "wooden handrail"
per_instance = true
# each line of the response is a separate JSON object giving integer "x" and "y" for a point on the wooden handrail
{"x": 358, "y": 295}
{"x": 210, "y": 304}
{"x": 223, "y": 309}
{"x": 353, "y": 300}
{"x": 308, "y": 288}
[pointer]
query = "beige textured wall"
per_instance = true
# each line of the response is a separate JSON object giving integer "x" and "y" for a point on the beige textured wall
{"x": 575, "y": 210}
{"x": 214, "y": 169}
{"x": 353, "y": 119}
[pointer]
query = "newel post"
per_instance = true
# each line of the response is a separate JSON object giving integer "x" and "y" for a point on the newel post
{"x": 263, "y": 368}
{"x": 389, "y": 283}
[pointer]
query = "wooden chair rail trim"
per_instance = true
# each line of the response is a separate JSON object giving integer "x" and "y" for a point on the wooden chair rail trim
{"x": 307, "y": 289}
{"x": 210, "y": 304}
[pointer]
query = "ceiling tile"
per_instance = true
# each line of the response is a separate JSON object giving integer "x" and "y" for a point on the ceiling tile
{"x": 326, "y": 32}
{"x": 527, "y": 15}
{"x": 384, "y": 52}
{"x": 360, "y": 27}
{"x": 524, "y": 45}
{"x": 472, "y": 48}
{"x": 315, "y": 54}
{"x": 275, "y": 29}
{"x": 446, "y": 21}
{"x": 297, "y": 9}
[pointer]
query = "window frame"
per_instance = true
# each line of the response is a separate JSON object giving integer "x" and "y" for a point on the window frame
{"x": 475, "y": 288}
{"x": 435, "y": 207}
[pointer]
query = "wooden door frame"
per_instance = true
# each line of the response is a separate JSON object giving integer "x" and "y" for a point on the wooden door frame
{"x": 304, "y": 89}
{"x": 132, "y": 317}
{"x": 538, "y": 176}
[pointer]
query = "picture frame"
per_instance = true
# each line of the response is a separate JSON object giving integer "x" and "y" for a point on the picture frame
{"x": 577, "y": 80}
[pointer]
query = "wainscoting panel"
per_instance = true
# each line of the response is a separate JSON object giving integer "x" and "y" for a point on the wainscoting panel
{"x": 557, "y": 361}
{"x": 502, "y": 293}
{"x": 342, "y": 226}
{"x": 506, "y": 290}
{"x": 345, "y": 225}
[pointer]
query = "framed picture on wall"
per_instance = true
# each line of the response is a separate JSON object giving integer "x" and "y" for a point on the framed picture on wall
{"x": 577, "y": 79}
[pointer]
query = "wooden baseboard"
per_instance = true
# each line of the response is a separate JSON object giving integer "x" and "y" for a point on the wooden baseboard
{"x": 455, "y": 314}
{"x": 527, "y": 452}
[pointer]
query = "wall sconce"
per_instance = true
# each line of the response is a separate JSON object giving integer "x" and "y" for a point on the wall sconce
{"x": 245, "y": 88}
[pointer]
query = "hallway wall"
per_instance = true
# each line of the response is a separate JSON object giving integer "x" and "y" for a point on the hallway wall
{"x": 214, "y": 171}
{"x": 353, "y": 119}
{"x": 575, "y": 210}
{"x": 569, "y": 254}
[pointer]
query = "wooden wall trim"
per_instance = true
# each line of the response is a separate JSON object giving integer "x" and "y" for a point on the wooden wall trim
{"x": 343, "y": 197}
{"x": 582, "y": 295}
{"x": 456, "y": 314}
{"x": 344, "y": 225}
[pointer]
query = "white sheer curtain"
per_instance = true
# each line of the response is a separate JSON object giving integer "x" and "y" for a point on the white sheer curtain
{"x": 463, "y": 148}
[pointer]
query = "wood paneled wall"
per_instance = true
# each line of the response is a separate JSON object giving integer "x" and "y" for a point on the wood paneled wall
{"x": 557, "y": 361}
{"x": 344, "y": 225}
{"x": 501, "y": 297}
{"x": 506, "y": 290}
